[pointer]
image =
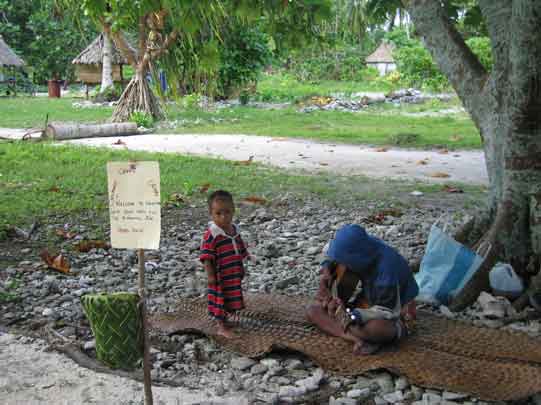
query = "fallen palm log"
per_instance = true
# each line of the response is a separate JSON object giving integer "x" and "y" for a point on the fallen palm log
{"x": 62, "y": 132}
{"x": 71, "y": 349}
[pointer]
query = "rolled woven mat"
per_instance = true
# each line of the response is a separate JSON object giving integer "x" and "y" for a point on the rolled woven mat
{"x": 442, "y": 353}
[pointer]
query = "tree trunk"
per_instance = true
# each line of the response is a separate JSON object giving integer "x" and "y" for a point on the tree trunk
{"x": 505, "y": 105}
{"x": 107, "y": 63}
{"x": 137, "y": 96}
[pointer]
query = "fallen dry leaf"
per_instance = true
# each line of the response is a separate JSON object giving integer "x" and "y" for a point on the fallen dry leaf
{"x": 449, "y": 189}
{"x": 443, "y": 151}
{"x": 254, "y": 200}
{"x": 204, "y": 188}
{"x": 379, "y": 217}
{"x": 423, "y": 162}
{"x": 54, "y": 189}
{"x": 87, "y": 245}
{"x": 176, "y": 199}
{"x": 245, "y": 162}
{"x": 119, "y": 142}
{"x": 382, "y": 149}
{"x": 58, "y": 262}
{"x": 65, "y": 234}
{"x": 440, "y": 175}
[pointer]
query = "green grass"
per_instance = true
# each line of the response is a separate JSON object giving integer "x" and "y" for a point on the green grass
{"x": 381, "y": 124}
{"x": 27, "y": 112}
{"x": 329, "y": 126}
{"x": 284, "y": 87}
{"x": 39, "y": 180}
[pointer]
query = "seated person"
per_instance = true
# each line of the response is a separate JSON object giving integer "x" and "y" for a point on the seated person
{"x": 384, "y": 309}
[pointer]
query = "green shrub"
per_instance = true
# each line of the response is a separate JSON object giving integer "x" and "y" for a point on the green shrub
{"x": 242, "y": 58}
{"x": 191, "y": 101}
{"x": 369, "y": 74}
{"x": 142, "y": 119}
{"x": 480, "y": 46}
{"x": 400, "y": 38}
{"x": 391, "y": 79}
{"x": 342, "y": 62}
{"x": 418, "y": 69}
{"x": 111, "y": 93}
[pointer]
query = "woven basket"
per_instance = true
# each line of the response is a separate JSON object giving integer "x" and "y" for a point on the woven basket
{"x": 115, "y": 320}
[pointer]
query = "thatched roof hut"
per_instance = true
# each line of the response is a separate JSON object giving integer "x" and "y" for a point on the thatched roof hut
{"x": 89, "y": 62}
{"x": 382, "y": 58}
{"x": 8, "y": 57}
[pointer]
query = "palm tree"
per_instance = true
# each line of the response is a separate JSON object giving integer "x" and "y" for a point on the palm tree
{"x": 386, "y": 11}
{"x": 107, "y": 63}
{"x": 354, "y": 18}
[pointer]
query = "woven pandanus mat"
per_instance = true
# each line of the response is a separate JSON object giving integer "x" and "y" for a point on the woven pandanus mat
{"x": 442, "y": 353}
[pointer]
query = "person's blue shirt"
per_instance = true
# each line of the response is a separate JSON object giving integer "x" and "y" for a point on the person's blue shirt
{"x": 385, "y": 273}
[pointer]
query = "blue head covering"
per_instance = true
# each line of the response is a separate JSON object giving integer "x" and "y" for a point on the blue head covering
{"x": 353, "y": 247}
{"x": 373, "y": 259}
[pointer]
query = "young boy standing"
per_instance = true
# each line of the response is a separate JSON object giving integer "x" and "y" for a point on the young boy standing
{"x": 222, "y": 255}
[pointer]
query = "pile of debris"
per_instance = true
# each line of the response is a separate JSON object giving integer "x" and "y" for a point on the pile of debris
{"x": 358, "y": 101}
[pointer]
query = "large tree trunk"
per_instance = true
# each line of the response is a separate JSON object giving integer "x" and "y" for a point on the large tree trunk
{"x": 107, "y": 63}
{"x": 505, "y": 105}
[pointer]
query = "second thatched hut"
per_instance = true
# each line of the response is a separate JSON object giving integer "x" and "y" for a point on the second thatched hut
{"x": 382, "y": 59}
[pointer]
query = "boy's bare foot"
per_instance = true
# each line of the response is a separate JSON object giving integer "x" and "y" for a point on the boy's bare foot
{"x": 225, "y": 331}
{"x": 363, "y": 348}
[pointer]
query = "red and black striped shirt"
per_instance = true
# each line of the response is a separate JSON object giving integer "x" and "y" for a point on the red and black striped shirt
{"x": 227, "y": 253}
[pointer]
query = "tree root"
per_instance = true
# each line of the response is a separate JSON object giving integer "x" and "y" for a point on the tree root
{"x": 479, "y": 282}
{"x": 71, "y": 349}
{"x": 137, "y": 96}
{"x": 524, "y": 299}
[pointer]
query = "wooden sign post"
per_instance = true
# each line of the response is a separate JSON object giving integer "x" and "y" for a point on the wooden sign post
{"x": 134, "y": 209}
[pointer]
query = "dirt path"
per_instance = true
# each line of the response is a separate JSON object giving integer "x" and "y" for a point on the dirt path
{"x": 430, "y": 165}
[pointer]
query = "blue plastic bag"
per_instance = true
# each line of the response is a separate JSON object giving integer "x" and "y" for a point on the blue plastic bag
{"x": 446, "y": 267}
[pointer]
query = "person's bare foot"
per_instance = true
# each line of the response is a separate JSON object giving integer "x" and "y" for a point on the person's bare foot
{"x": 363, "y": 348}
{"x": 225, "y": 331}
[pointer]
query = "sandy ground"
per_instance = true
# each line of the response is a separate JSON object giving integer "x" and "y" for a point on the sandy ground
{"x": 430, "y": 165}
{"x": 30, "y": 375}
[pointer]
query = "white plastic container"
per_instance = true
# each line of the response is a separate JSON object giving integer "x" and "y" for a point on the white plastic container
{"x": 505, "y": 282}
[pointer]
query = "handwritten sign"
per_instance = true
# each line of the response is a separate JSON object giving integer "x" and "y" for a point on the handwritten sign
{"x": 134, "y": 204}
